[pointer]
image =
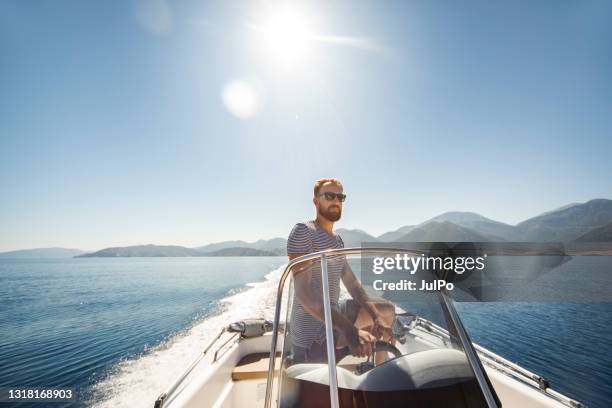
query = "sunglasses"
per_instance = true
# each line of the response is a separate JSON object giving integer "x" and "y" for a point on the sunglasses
{"x": 331, "y": 196}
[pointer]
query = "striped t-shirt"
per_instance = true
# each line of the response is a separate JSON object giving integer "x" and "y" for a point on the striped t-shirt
{"x": 306, "y": 238}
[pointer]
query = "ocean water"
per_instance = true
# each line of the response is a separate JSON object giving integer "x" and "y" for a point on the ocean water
{"x": 569, "y": 344}
{"x": 120, "y": 330}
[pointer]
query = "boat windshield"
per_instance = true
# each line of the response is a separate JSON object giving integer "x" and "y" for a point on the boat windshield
{"x": 354, "y": 336}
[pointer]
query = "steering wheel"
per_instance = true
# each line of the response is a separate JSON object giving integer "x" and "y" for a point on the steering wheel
{"x": 380, "y": 345}
{"x": 370, "y": 364}
{"x": 385, "y": 346}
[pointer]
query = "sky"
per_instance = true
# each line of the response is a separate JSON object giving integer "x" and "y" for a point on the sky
{"x": 189, "y": 122}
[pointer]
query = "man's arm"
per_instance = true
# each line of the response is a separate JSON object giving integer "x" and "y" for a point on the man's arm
{"x": 356, "y": 291}
{"x": 381, "y": 327}
{"x": 359, "y": 340}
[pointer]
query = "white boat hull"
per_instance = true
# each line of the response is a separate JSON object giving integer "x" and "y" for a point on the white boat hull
{"x": 221, "y": 385}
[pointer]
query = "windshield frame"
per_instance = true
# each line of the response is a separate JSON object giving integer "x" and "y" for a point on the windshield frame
{"x": 472, "y": 357}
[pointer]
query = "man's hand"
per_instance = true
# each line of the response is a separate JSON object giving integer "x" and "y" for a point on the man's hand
{"x": 383, "y": 313}
{"x": 360, "y": 342}
{"x": 380, "y": 312}
{"x": 382, "y": 330}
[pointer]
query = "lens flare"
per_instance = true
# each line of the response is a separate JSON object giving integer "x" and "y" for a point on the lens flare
{"x": 241, "y": 99}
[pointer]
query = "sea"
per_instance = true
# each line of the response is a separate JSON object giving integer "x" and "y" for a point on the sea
{"x": 119, "y": 330}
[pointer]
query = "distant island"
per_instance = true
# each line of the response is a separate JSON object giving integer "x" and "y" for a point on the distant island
{"x": 142, "y": 251}
{"x": 575, "y": 224}
{"x": 151, "y": 250}
{"x": 238, "y": 251}
{"x": 42, "y": 253}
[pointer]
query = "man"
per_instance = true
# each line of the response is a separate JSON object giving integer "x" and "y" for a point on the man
{"x": 306, "y": 327}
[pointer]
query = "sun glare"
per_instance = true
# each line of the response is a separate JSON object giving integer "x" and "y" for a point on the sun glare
{"x": 287, "y": 37}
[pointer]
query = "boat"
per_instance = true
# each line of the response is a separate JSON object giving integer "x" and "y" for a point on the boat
{"x": 431, "y": 361}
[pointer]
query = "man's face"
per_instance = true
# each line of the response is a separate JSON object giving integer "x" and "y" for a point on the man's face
{"x": 329, "y": 209}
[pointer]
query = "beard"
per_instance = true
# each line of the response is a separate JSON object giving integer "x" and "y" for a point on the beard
{"x": 332, "y": 213}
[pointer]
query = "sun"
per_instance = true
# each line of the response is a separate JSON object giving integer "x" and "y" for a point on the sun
{"x": 286, "y": 37}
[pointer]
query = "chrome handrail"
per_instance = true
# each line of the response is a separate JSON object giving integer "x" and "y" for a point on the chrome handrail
{"x": 160, "y": 401}
{"x": 279, "y": 292}
{"x": 468, "y": 348}
{"x": 322, "y": 255}
{"x": 329, "y": 336}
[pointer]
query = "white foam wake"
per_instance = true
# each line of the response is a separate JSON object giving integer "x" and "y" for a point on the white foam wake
{"x": 138, "y": 382}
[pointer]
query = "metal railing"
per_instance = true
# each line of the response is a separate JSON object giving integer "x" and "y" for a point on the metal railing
{"x": 333, "y": 388}
{"x": 160, "y": 401}
{"x": 234, "y": 332}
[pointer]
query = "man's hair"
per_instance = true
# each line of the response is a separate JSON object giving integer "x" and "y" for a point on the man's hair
{"x": 319, "y": 183}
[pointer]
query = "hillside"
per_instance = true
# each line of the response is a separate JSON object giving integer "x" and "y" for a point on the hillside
{"x": 443, "y": 231}
{"x": 395, "y": 235}
{"x": 262, "y": 244}
{"x": 354, "y": 237}
{"x": 476, "y": 222}
{"x": 240, "y": 252}
{"x": 599, "y": 234}
{"x": 586, "y": 222}
{"x": 42, "y": 253}
{"x": 142, "y": 251}
{"x": 567, "y": 224}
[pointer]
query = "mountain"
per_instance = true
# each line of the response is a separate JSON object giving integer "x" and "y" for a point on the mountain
{"x": 493, "y": 229}
{"x": 568, "y": 223}
{"x": 222, "y": 245}
{"x": 397, "y": 234}
{"x": 443, "y": 231}
{"x": 270, "y": 244}
{"x": 262, "y": 244}
{"x": 599, "y": 234}
{"x": 489, "y": 229}
{"x": 279, "y": 251}
{"x": 586, "y": 222}
{"x": 240, "y": 252}
{"x": 143, "y": 250}
{"x": 354, "y": 237}
{"x": 42, "y": 253}
{"x": 564, "y": 207}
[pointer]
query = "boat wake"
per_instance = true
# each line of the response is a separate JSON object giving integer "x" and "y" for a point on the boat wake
{"x": 138, "y": 381}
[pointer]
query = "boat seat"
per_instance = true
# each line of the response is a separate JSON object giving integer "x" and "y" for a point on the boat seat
{"x": 254, "y": 366}
{"x": 424, "y": 369}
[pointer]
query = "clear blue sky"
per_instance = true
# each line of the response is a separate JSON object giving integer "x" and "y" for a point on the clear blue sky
{"x": 113, "y": 128}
